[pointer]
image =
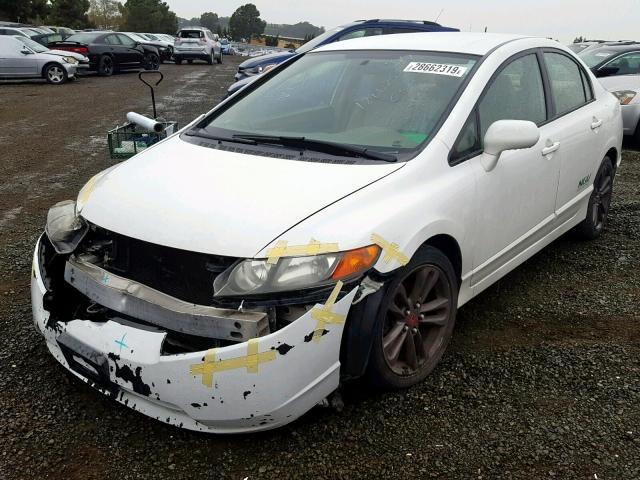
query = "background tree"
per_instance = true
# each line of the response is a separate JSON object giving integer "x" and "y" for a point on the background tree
{"x": 579, "y": 39}
{"x": 105, "y": 14}
{"x": 245, "y": 22}
{"x": 270, "y": 41}
{"x": 69, "y": 13}
{"x": 209, "y": 20}
{"x": 148, "y": 16}
{"x": 23, "y": 10}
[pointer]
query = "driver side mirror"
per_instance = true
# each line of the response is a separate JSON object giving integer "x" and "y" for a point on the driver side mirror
{"x": 506, "y": 135}
{"x": 26, "y": 51}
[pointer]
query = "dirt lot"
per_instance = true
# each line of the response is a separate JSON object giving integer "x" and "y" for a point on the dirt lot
{"x": 542, "y": 379}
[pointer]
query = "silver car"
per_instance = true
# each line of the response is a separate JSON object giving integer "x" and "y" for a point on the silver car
{"x": 617, "y": 66}
{"x": 197, "y": 43}
{"x": 24, "y": 58}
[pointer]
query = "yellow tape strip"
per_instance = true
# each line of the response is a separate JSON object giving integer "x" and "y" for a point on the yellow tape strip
{"x": 391, "y": 250}
{"x": 324, "y": 315}
{"x": 313, "y": 248}
{"x": 250, "y": 362}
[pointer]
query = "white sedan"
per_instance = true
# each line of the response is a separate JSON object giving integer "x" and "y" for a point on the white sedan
{"x": 323, "y": 224}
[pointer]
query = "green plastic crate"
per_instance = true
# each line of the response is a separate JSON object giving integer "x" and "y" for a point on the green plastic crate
{"x": 127, "y": 140}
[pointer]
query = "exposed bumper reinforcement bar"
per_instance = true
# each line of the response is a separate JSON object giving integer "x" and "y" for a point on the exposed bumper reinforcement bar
{"x": 144, "y": 303}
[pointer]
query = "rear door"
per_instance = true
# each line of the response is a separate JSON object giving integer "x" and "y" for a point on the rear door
{"x": 118, "y": 51}
{"x": 577, "y": 118}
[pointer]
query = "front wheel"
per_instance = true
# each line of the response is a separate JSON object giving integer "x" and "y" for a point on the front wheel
{"x": 414, "y": 322}
{"x": 151, "y": 61}
{"x": 599, "y": 201}
{"x": 177, "y": 60}
{"x": 55, "y": 74}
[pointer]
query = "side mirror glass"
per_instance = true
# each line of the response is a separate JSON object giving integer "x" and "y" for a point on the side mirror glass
{"x": 506, "y": 135}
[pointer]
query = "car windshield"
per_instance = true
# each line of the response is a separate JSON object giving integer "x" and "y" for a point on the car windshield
{"x": 314, "y": 42}
{"x": 389, "y": 101}
{"x": 87, "y": 37}
{"x": 32, "y": 44}
{"x": 593, "y": 57}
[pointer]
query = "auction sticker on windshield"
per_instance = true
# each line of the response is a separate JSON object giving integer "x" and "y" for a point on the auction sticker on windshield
{"x": 436, "y": 68}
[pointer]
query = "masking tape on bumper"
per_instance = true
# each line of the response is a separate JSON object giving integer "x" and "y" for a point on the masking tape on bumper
{"x": 324, "y": 315}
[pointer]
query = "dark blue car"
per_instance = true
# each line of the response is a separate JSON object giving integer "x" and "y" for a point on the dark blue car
{"x": 361, "y": 28}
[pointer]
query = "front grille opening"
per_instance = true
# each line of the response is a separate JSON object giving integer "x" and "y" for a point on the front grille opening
{"x": 182, "y": 274}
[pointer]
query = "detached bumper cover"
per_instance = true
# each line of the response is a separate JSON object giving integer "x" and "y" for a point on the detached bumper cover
{"x": 256, "y": 385}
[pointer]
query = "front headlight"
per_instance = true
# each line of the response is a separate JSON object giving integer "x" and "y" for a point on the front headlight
{"x": 625, "y": 96}
{"x": 65, "y": 228}
{"x": 70, "y": 60}
{"x": 255, "y": 277}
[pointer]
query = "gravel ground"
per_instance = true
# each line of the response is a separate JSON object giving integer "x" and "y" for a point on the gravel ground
{"x": 542, "y": 379}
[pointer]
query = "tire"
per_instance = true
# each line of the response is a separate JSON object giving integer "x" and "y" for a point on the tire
{"x": 177, "y": 60}
{"x": 189, "y": 61}
{"x": 219, "y": 59}
{"x": 55, "y": 74}
{"x": 636, "y": 135}
{"x": 151, "y": 61}
{"x": 422, "y": 327}
{"x": 211, "y": 58}
{"x": 105, "y": 66}
{"x": 599, "y": 202}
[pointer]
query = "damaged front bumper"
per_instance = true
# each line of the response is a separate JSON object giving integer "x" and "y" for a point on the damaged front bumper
{"x": 257, "y": 384}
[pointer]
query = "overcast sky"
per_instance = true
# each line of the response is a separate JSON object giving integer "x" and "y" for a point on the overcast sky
{"x": 561, "y": 19}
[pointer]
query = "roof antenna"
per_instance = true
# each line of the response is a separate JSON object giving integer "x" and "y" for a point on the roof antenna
{"x": 441, "y": 10}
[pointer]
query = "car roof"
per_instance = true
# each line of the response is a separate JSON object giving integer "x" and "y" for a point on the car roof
{"x": 471, "y": 43}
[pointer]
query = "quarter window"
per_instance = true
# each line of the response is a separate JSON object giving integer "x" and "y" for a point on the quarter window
{"x": 516, "y": 93}
{"x": 363, "y": 32}
{"x": 567, "y": 87}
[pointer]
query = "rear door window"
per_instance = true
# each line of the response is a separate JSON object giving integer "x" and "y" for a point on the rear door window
{"x": 567, "y": 87}
{"x": 627, "y": 64}
{"x": 113, "y": 40}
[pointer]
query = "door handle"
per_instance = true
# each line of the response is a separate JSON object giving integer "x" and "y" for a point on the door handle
{"x": 550, "y": 148}
{"x": 596, "y": 123}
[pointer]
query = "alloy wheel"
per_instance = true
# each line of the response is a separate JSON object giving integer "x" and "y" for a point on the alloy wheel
{"x": 55, "y": 74}
{"x": 602, "y": 189}
{"x": 107, "y": 66}
{"x": 416, "y": 320}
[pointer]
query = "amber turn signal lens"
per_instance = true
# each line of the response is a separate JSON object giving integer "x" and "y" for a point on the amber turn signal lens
{"x": 355, "y": 261}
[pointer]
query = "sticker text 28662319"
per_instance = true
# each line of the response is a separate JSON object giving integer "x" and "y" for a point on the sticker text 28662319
{"x": 436, "y": 68}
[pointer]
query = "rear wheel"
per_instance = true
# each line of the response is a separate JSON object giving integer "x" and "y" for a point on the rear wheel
{"x": 55, "y": 74}
{"x": 415, "y": 321}
{"x": 189, "y": 62}
{"x": 599, "y": 201}
{"x": 210, "y": 58}
{"x": 105, "y": 66}
{"x": 219, "y": 59}
{"x": 177, "y": 60}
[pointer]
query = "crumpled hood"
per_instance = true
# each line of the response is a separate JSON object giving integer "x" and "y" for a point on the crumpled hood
{"x": 200, "y": 199}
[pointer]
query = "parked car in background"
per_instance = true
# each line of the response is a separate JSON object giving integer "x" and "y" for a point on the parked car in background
{"x": 617, "y": 66}
{"x": 165, "y": 51}
{"x": 423, "y": 167}
{"x": 360, "y": 28}
{"x": 227, "y": 48}
{"x": 111, "y": 52}
{"x": 83, "y": 61}
{"x": 47, "y": 38}
{"x": 22, "y": 31}
{"x": 63, "y": 30}
{"x": 197, "y": 43}
{"x": 580, "y": 46}
{"x": 21, "y": 60}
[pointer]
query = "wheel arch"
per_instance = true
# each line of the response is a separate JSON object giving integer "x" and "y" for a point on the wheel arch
{"x": 48, "y": 64}
{"x": 612, "y": 153}
{"x": 450, "y": 247}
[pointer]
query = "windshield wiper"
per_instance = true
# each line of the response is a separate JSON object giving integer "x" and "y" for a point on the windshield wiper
{"x": 201, "y": 133}
{"x": 318, "y": 146}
